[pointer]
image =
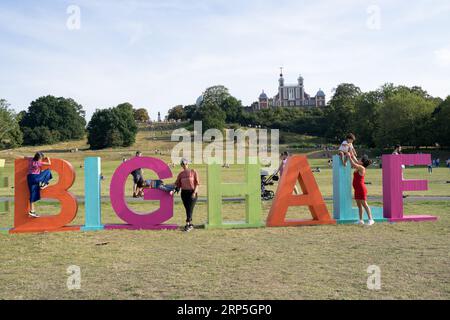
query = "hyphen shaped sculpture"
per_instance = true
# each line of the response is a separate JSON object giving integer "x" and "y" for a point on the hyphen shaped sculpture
{"x": 4, "y": 205}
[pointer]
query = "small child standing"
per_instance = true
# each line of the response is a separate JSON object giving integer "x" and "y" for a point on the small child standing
{"x": 347, "y": 148}
{"x": 154, "y": 184}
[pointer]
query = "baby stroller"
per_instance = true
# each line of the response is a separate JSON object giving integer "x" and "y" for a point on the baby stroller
{"x": 267, "y": 180}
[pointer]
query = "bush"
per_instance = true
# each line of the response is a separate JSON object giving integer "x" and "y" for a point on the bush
{"x": 114, "y": 127}
{"x": 50, "y": 120}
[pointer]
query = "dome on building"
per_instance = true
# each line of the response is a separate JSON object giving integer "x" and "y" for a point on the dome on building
{"x": 199, "y": 101}
{"x": 263, "y": 96}
{"x": 320, "y": 93}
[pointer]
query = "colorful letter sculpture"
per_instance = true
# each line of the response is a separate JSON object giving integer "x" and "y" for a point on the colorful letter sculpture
{"x": 4, "y": 205}
{"x": 394, "y": 185}
{"x": 150, "y": 221}
{"x": 92, "y": 185}
{"x": 343, "y": 211}
{"x": 297, "y": 168}
{"x": 24, "y": 223}
{"x": 250, "y": 189}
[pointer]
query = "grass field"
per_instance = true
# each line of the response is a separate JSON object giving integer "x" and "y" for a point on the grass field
{"x": 327, "y": 262}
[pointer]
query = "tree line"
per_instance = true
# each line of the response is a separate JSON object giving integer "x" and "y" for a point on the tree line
{"x": 50, "y": 120}
{"x": 381, "y": 118}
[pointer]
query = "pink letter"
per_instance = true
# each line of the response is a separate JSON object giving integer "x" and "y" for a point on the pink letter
{"x": 152, "y": 220}
{"x": 394, "y": 185}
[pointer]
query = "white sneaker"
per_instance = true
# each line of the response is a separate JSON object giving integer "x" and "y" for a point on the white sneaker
{"x": 361, "y": 222}
{"x": 33, "y": 214}
{"x": 371, "y": 222}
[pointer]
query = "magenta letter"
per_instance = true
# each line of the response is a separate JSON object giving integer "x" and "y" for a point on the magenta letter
{"x": 394, "y": 185}
{"x": 152, "y": 220}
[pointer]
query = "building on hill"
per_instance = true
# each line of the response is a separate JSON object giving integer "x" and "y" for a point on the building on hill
{"x": 291, "y": 95}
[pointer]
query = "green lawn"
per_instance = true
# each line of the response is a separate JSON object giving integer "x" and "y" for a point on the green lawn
{"x": 269, "y": 263}
{"x": 327, "y": 262}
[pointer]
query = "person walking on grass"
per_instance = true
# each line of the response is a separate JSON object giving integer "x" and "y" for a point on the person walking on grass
{"x": 37, "y": 179}
{"x": 360, "y": 187}
{"x": 188, "y": 182}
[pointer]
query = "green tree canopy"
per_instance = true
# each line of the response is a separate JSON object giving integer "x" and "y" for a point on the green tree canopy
{"x": 10, "y": 133}
{"x": 114, "y": 127}
{"x": 177, "y": 113}
{"x": 141, "y": 115}
{"x": 220, "y": 97}
{"x": 341, "y": 110}
{"x": 441, "y": 127}
{"x": 403, "y": 119}
{"x": 50, "y": 120}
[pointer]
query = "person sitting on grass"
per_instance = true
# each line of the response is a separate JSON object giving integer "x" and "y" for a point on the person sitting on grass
{"x": 37, "y": 179}
{"x": 155, "y": 184}
{"x": 346, "y": 150}
{"x": 360, "y": 187}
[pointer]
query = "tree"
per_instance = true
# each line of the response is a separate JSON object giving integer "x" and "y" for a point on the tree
{"x": 190, "y": 111}
{"x": 341, "y": 110}
{"x": 210, "y": 111}
{"x": 177, "y": 113}
{"x": 114, "y": 127}
{"x": 403, "y": 119}
{"x": 141, "y": 115}
{"x": 10, "y": 134}
{"x": 441, "y": 126}
{"x": 232, "y": 108}
{"x": 366, "y": 117}
{"x": 221, "y": 97}
{"x": 63, "y": 119}
{"x": 211, "y": 115}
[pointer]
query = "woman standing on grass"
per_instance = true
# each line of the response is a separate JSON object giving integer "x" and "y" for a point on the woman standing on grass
{"x": 188, "y": 182}
{"x": 37, "y": 179}
{"x": 360, "y": 187}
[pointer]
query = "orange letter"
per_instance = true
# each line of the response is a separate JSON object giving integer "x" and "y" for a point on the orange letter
{"x": 69, "y": 206}
{"x": 297, "y": 168}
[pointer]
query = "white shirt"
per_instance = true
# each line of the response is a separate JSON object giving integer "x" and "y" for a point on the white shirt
{"x": 345, "y": 146}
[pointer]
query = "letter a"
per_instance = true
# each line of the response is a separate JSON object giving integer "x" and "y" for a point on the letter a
{"x": 297, "y": 169}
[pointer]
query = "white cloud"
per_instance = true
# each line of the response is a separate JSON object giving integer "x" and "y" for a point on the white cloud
{"x": 157, "y": 54}
{"x": 443, "y": 57}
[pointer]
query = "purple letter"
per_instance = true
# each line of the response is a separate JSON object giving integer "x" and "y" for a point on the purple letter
{"x": 394, "y": 185}
{"x": 152, "y": 220}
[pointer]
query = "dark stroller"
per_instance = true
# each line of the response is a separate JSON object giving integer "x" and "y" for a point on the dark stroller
{"x": 267, "y": 180}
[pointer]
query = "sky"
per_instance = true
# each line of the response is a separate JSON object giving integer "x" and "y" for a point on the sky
{"x": 158, "y": 54}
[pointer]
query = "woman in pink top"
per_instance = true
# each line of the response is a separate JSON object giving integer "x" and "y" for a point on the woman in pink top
{"x": 188, "y": 182}
{"x": 37, "y": 180}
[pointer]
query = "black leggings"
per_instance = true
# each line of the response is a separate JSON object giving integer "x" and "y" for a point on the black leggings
{"x": 189, "y": 203}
